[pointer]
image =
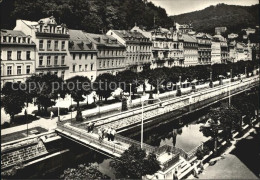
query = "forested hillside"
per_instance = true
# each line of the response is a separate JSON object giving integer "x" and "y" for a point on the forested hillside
{"x": 89, "y": 15}
{"x": 231, "y": 16}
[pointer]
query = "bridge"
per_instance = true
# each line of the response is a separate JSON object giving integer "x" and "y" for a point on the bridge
{"x": 79, "y": 134}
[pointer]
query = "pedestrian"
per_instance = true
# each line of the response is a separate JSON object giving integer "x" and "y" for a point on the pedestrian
{"x": 92, "y": 127}
{"x": 113, "y": 133}
{"x": 175, "y": 177}
{"x": 109, "y": 134}
{"x": 100, "y": 135}
{"x": 52, "y": 114}
{"x": 89, "y": 127}
{"x": 103, "y": 132}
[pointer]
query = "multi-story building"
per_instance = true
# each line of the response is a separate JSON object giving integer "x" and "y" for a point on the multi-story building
{"x": 204, "y": 48}
{"x": 215, "y": 52}
{"x": 239, "y": 52}
{"x": 167, "y": 48}
{"x": 17, "y": 56}
{"x": 220, "y": 30}
{"x": 111, "y": 55}
{"x": 138, "y": 48}
{"x": 51, "y": 42}
{"x": 82, "y": 59}
{"x": 224, "y": 52}
{"x": 183, "y": 28}
{"x": 190, "y": 50}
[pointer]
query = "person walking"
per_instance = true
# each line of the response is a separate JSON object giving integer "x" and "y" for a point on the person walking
{"x": 175, "y": 177}
{"x": 89, "y": 127}
{"x": 109, "y": 134}
{"x": 52, "y": 114}
{"x": 100, "y": 135}
{"x": 92, "y": 127}
{"x": 113, "y": 133}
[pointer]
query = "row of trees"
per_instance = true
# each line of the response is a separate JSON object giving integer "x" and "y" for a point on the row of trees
{"x": 46, "y": 88}
{"x": 229, "y": 117}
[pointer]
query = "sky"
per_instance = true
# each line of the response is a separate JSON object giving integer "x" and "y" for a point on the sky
{"x": 175, "y": 7}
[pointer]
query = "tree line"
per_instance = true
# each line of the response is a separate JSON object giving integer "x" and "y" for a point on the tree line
{"x": 42, "y": 89}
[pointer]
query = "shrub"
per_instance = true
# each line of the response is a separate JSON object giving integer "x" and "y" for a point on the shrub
{"x": 83, "y": 106}
{"x": 5, "y": 125}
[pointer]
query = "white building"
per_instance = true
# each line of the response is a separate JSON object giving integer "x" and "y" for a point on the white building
{"x": 51, "y": 42}
{"x": 17, "y": 56}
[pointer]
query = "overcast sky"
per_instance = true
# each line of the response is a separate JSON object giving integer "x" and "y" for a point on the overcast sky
{"x": 174, "y": 7}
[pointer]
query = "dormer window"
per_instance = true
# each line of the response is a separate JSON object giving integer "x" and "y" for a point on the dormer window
{"x": 4, "y": 38}
{"x": 19, "y": 40}
{"x": 14, "y": 39}
{"x": 24, "y": 39}
{"x": 9, "y": 40}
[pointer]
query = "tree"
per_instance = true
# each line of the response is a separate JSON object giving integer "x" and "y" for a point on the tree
{"x": 83, "y": 172}
{"x": 13, "y": 100}
{"x": 135, "y": 163}
{"x": 226, "y": 118}
{"x": 45, "y": 88}
{"x": 104, "y": 85}
{"x": 77, "y": 87}
{"x": 125, "y": 78}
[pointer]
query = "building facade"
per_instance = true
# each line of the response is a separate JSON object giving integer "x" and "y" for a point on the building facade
{"x": 82, "y": 58}
{"x": 215, "y": 52}
{"x": 51, "y": 42}
{"x": 190, "y": 49}
{"x": 183, "y": 28}
{"x": 111, "y": 54}
{"x": 220, "y": 30}
{"x": 138, "y": 48}
{"x": 204, "y": 48}
{"x": 17, "y": 56}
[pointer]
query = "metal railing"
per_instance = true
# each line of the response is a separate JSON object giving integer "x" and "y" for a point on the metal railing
{"x": 166, "y": 165}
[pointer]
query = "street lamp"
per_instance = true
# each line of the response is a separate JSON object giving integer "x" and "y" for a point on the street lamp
{"x": 229, "y": 102}
{"x": 71, "y": 109}
{"x": 142, "y": 122}
{"x": 58, "y": 108}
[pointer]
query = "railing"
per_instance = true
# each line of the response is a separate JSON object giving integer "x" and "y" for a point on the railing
{"x": 166, "y": 165}
{"x": 82, "y": 134}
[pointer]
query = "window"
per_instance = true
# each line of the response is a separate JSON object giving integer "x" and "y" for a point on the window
{"x": 28, "y": 69}
{"x": 86, "y": 67}
{"x": 86, "y": 56}
{"x": 9, "y": 70}
{"x": 74, "y": 56}
{"x": 56, "y": 60}
{"x": 48, "y": 45}
{"x": 40, "y": 60}
{"x": 91, "y": 67}
{"x": 56, "y": 45}
{"x": 104, "y": 63}
{"x": 48, "y": 60}
{"x": 19, "y": 70}
{"x": 91, "y": 78}
{"x": 19, "y": 55}
{"x": 28, "y": 55}
{"x": 62, "y": 60}
{"x": 100, "y": 64}
{"x": 63, "y": 45}
{"x": 79, "y": 67}
{"x": 112, "y": 63}
{"x": 9, "y": 55}
{"x": 73, "y": 68}
{"x": 80, "y": 55}
{"x": 108, "y": 63}
{"x": 91, "y": 56}
{"x": 41, "y": 44}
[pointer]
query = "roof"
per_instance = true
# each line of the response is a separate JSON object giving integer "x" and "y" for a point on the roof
{"x": 13, "y": 33}
{"x": 200, "y": 35}
{"x": 102, "y": 39}
{"x": 78, "y": 35}
{"x": 133, "y": 36}
{"x": 188, "y": 38}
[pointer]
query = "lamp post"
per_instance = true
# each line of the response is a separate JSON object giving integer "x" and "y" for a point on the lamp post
{"x": 71, "y": 109}
{"x": 229, "y": 102}
{"x": 58, "y": 108}
{"x": 245, "y": 72}
{"x": 142, "y": 122}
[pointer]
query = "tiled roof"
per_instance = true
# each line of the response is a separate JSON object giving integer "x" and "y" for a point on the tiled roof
{"x": 101, "y": 39}
{"x": 13, "y": 33}
{"x": 79, "y": 41}
{"x": 188, "y": 38}
{"x": 127, "y": 34}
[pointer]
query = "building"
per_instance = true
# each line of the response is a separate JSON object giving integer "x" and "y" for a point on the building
{"x": 111, "y": 54}
{"x": 239, "y": 52}
{"x": 51, "y": 42}
{"x": 183, "y": 28}
{"x": 167, "y": 48}
{"x": 204, "y": 48}
{"x": 138, "y": 48}
{"x": 220, "y": 30}
{"x": 190, "y": 50}
{"x": 232, "y": 36}
{"x": 215, "y": 52}
{"x": 249, "y": 31}
{"x": 82, "y": 59}
{"x": 17, "y": 56}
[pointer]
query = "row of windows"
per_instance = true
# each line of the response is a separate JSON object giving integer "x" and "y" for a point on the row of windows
{"x": 80, "y": 67}
{"x": 15, "y": 39}
{"x": 114, "y": 63}
{"x": 49, "y": 45}
{"x": 80, "y": 55}
{"x": 111, "y": 53}
{"x": 18, "y": 55}
{"x": 52, "y": 29}
{"x": 56, "y": 73}
{"x": 167, "y": 45}
{"x": 138, "y": 48}
{"x": 49, "y": 58}
{"x": 191, "y": 44}
{"x": 18, "y": 70}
